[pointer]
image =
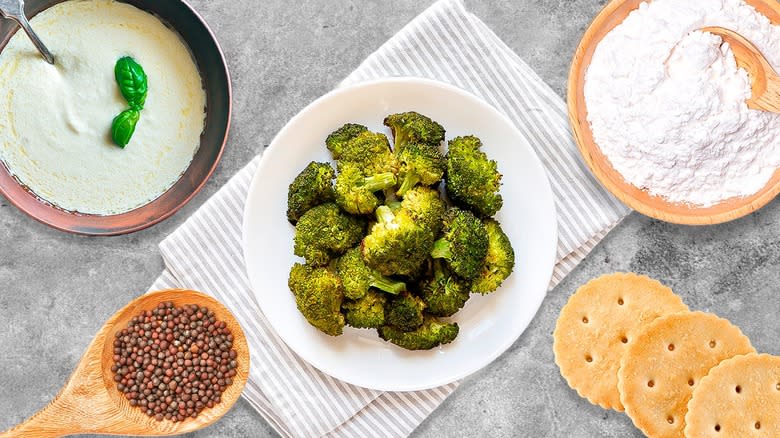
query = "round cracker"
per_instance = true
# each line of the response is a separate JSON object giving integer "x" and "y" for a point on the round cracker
{"x": 598, "y": 323}
{"x": 659, "y": 372}
{"x": 738, "y": 398}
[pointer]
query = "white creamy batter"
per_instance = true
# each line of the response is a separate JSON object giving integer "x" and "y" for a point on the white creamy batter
{"x": 55, "y": 120}
{"x": 667, "y": 105}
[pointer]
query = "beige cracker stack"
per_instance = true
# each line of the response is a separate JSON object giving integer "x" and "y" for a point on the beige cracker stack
{"x": 627, "y": 342}
{"x": 597, "y": 325}
{"x": 740, "y": 397}
{"x": 670, "y": 356}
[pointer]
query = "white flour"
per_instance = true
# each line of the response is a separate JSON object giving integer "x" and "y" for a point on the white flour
{"x": 667, "y": 105}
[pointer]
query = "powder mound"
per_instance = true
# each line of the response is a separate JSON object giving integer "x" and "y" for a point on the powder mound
{"x": 667, "y": 103}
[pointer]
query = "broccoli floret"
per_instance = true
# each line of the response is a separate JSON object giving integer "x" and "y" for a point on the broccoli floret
{"x": 396, "y": 245}
{"x": 326, "y": 232}
{"x": 473, "y": 179}
{"x": 355, "y": 192}
{"x": 444, "y": 293}
{"x": 431, "y": 334}
{"x": 419, "y": 164}
{"x": 412, "y": 127}
{"x": 338, "y": 139}
{"x": 425, "y": 207}
{"x": 312, "y": 187}
{"x": 499, "y": 262}
{"x": 367, "y": 312}
{"x": 405, "y": 312}
{"x": 358, "y": 277}
{"x": 318, "y": 294}
{"x": 464, "y": 243}
{"x": 371, "y": 152}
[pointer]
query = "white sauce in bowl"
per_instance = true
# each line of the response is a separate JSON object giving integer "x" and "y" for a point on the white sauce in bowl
{"x": 55, "y": 120}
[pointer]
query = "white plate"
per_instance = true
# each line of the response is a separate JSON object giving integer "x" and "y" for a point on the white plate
{"x": 488, "y": 324}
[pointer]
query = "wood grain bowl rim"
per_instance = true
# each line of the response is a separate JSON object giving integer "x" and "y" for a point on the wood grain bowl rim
{"x": 192, "y": 180}
{"x": 656, "y": 207}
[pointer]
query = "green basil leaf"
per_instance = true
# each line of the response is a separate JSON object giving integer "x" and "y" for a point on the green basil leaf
{"x": 132, "y": 81}
{"x": 123, "y": 126}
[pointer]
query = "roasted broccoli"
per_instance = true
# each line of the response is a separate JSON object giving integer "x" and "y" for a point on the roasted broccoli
{"x": 499, "y": 262}
{"x": 312, "y": 187}
{"x": 464, "y": 243}
{"x": 439, "y": 238}
{"x": 355, "y": 192}
{"x": 473, "y": 180}
{"x": 367, "y": 312}
{"x": 358, "y": 277}
{"x": 443, "y": 293}
{"x": 430, "y": 334}
{"x": 419, "y": 164}
{"x": 371, "y": 152}
{"x": 412, "y": 127}
{"x": 425, "y": 207}
{"x": 318, "y": 295}
{"x": 404, "y": 312}
{"x": 338, "y": 139}
{"x": 326, "y": 232}
{"x": 396, "y": 245}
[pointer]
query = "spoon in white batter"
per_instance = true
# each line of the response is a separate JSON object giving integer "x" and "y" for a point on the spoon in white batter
{"x": 14, "y": 9}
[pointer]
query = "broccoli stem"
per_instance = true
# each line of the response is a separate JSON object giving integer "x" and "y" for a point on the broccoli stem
{"x": 410, "y": 180}
{"x": 400, "y": 140}
{"x": 438, "y": 269}
{"x": 394, "y": 205}
{"x": 379, "y": 181}
{"x": 441, "y": 249}
{"x": 384, "y": 214}
{"x": 388, "y": 285}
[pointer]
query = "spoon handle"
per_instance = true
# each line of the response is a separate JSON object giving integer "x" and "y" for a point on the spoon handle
{"x": 78, "y": 408}
{"x": 770, "y": 99}
{"x": 22, "y": 20}
{"x": 15, "y": 11}
{"x": 46, "y": 423}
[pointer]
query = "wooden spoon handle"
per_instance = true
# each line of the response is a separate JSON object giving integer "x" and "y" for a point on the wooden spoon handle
{"x": 51, "y": 421}
{"x": 770, "y": 99}
{"x": 82, "y": 406}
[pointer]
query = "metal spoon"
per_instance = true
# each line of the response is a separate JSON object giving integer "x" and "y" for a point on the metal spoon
{"x": 14, "y": 9}
{"x": 765, "y": 82}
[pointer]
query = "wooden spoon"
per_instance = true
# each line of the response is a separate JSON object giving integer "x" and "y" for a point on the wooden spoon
{"x": 90, "y": 403}
{"x": 765, "y": 81}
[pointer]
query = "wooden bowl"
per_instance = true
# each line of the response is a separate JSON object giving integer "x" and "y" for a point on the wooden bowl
{"x": 90, "y": 402}
{"x": 612, "y": 15}
{"x": 179, "y": 16}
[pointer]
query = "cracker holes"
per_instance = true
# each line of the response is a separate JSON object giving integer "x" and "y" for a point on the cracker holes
{"x": 585, "y": 320}
{"x": 738, "y": 389}
{"x": 650, "y": 383}
{"x": 690, "y": 381}
{"x": 757, "y": 425}
{"x": 717, "y": 428}
{"x": 624, "y": 340}
{"x": 588, "y": 358}
{"x": 671, "y": 347}
{"x": 670, "y": 419}
{"x": 620, "y": 301}
{"x": 713, "y": 344}
{"x": 777, "y": 387}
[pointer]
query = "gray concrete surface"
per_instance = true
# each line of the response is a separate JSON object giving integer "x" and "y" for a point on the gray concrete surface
{"x": 57, "y": 289}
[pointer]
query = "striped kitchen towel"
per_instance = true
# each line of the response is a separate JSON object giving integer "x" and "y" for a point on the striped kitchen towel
{"x": 445, "y": 43}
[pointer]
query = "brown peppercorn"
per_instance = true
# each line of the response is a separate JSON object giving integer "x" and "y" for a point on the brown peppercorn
{"x": 173, "y": 362}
